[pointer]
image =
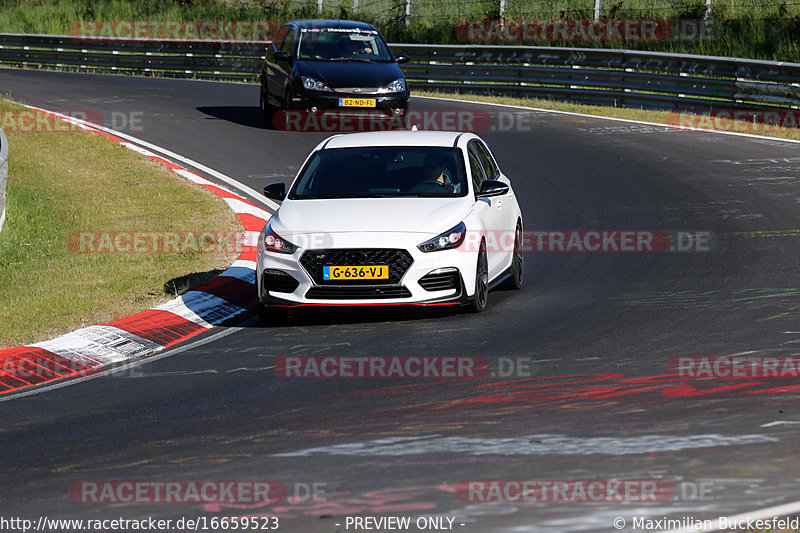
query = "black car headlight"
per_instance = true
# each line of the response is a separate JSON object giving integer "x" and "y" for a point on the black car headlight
{"x": 451, "y": 238}
{"x": 314, "y": 84}
{"x": 275, "y": 243}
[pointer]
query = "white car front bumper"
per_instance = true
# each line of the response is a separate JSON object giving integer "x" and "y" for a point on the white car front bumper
{"x": 441, "y": 277}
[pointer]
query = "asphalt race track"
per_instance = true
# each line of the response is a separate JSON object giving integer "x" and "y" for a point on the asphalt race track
{"x": 595, "y": 398}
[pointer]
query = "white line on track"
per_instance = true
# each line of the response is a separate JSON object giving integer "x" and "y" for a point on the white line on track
{"x": 781, "y": 423}
{"x": 602, "y": 117}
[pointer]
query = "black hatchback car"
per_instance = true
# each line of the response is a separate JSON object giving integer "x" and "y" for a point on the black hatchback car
{"x": 332, "y": 64}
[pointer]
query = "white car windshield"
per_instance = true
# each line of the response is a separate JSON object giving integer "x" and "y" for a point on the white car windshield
{"x": 382, "y": 172}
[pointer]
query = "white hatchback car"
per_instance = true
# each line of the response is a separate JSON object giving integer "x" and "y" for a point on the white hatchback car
{"x": 391, "y": 218}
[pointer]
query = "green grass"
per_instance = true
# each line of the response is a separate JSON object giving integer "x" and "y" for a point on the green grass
{"x": 759, "y": 29}
{"x": 61, "y": 182}
{"x": 55, "y": 16}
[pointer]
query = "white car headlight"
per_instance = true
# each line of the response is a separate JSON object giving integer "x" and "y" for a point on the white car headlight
{"x": 451, "y": 238}
{"x": 397, "y": 86}
{"x": 314, "y": 84}
{"x": 275, "y": 243}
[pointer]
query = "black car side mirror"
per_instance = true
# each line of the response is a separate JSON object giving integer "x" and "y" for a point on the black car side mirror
{"x": 492, "y": 188}
{"x": 402, "y": 58}
{"x": 275, "y": 191}
{"x": 280, "y": 55}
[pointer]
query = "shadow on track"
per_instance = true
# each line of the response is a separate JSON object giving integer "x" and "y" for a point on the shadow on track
{"x": 327, "y": 121}
{"x": 249, "y": 116}
{"x": 188, "y": 282}
{"x": 329, "y": 316}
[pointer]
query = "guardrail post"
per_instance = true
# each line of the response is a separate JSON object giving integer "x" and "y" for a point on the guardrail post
{"x": 597, "y": 7}
{"x": 3, "y": 176}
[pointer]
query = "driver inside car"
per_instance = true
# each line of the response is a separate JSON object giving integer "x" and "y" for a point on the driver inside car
{"x": 357, "y": 47}
{"x": 435, "y": 169}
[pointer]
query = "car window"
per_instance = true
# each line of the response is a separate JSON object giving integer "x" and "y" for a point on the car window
{"x": 492, "y": 171}
{"x": 476, "y": 166}
{"x": 288, "y": 40}
{"x": 382, "y": 172}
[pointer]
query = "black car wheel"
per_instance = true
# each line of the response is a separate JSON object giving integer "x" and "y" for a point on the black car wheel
{"x": 263, "y": 314}
{"x": 481, "y": 281}
{"x": 263, "y": 102}
{"x": 281, "y": 116}
{"x": 517, "y": 262}
{"x": 287, "y": 99}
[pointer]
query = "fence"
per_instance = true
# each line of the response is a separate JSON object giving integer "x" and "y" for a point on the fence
{"x": 588, "y": 75}
{"x": 427, "y": 10}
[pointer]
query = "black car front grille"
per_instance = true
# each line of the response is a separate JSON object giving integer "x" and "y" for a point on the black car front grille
{"x": 440, "y": 282}
{"x": 278, "y": 281}
{"x": 357, "y": 292}
{"x": 398, "y": 261}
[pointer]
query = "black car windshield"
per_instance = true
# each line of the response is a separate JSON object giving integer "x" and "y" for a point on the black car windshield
{"x": 382, "y": 172}
{"x": 332, "y": 44}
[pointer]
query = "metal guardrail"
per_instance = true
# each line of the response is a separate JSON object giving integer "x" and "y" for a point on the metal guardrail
{"x": 3, "y": 176}
{"x": 210, "y": 59}
{"x": 622, "y": 78}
